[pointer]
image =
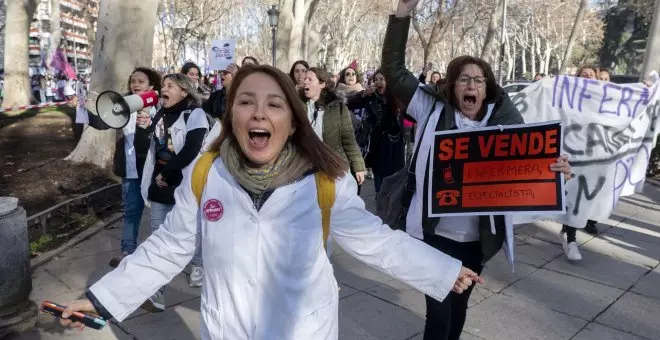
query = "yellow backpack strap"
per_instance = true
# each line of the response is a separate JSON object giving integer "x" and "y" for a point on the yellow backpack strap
{"x": 325, "y": 188}
{"x": 200, "y": 173}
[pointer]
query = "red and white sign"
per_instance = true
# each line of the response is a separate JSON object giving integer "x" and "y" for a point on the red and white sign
{"x": 213, "y": 210}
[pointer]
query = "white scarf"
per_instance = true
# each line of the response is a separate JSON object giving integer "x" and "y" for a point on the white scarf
{"x": 463, "y": 122}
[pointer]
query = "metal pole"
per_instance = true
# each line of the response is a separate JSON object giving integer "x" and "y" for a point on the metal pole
{"x": 652, "y": 57}
{"x": 274, "y": 47}
{"x": 502, "y": 42}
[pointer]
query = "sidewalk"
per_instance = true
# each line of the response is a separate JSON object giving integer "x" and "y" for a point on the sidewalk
{"x": 614, "y": 293}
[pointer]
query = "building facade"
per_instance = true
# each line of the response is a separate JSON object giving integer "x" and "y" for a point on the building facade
{"x": 76, "y": 19}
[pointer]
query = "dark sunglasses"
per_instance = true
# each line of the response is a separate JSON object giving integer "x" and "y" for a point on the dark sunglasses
{"x": 349, "y": 74}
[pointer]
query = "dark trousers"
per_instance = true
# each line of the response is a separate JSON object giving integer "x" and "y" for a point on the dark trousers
{"x": 445, "y": 320}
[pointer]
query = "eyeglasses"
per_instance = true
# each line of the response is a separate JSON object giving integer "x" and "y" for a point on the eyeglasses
{"x": 479, "y": 81}
{"x": 349, "y": 74}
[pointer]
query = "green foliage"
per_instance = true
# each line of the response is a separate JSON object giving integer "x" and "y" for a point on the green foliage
{"x": 43, "y": 243}
{"x": 626, "y": 31}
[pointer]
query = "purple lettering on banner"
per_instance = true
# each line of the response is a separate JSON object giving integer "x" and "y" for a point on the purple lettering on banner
{"x": 626, "y": 96}
{"x": 643, "y": 99}
{"x": 554, "y": 91}
{"x": 605, "y": 99}
{"x": 616, "y": 191}
{"x": 583, "y": 93}
{"x": 643, "y": 173}
{"x": 566, "y": 87}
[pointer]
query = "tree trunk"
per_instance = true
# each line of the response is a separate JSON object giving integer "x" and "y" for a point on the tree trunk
{"x": 492, "y": 28}
{"x": 125, "y": 40}
{"x": 574, "y": 33}
{"x": 19, "y": 14}
{"x": 55, "y": 30}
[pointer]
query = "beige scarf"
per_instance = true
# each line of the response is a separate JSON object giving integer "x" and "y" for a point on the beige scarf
{"x": 289, "y": 167}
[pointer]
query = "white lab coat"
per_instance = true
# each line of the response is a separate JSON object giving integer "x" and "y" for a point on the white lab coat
{"x": 266, "y": 272}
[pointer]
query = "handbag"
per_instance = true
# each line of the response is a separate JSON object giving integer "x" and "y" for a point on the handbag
{"x": 393, "y": 200}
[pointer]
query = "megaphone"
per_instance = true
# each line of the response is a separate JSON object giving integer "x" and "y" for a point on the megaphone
{"x": 115, "y": 109}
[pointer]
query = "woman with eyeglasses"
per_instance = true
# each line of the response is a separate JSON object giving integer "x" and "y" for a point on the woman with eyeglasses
{"x": 469, "y": 99}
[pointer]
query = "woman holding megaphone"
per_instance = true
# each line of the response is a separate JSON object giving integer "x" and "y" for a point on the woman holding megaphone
{"x": 132, "y": 145}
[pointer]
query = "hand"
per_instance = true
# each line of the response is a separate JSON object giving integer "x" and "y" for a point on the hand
{"x": 465, "y": 279}
{"x": 369, "y": 91}
{"x": 160, "y": 181}
{"x": 84, "y": 306}
{"x": 648, "y": 83}
{"x": 405, "y": 7}
{"x": 143, "y": 119}
{"x": 562, "y": 166}
{"x": 428, "y": 67}
{"x": 359, "y": 176}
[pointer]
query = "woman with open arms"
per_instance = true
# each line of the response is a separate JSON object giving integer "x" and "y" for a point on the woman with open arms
{"x": 267, "y": 274}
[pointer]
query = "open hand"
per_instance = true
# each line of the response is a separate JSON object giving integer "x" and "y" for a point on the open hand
{"x": 466, "y": 277}
{"x": 83, "y": 306}
{"x": 405, "y": 7}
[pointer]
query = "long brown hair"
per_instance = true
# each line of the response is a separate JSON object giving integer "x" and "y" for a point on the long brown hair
{"x": 304, "y": 138}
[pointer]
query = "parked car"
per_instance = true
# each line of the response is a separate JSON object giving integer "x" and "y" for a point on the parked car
{"x": 624, "y": 79}
{"x": 515, "y": 87}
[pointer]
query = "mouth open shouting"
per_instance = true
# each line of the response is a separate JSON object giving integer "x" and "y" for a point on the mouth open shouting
{"x": 258, "y": 138}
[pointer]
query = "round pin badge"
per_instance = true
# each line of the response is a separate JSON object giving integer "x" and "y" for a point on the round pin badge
{"x": 213, "y": 210}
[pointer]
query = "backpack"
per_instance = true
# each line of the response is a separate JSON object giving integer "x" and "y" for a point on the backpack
{"x": 325, "y": 187}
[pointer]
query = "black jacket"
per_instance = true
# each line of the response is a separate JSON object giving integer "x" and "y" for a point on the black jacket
{"x": 171, "y": 169}
{"x": 404, "y": 85}
{"x": 216, "y": 105}
{"x": 380, "y": 133}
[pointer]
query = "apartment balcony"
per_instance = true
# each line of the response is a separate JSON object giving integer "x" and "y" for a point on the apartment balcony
{"x": 79, "y": 54}
{"x": 73, "y": 21}
{"x": 72, "y": 4}
{"x": 34, "y": 50}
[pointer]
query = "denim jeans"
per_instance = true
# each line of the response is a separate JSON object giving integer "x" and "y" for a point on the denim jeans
{"x": 158, "y": 213}
{"x": 133, "y": 208}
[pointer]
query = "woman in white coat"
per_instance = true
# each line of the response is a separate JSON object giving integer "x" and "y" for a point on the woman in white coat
{"x": 267, "y": 274}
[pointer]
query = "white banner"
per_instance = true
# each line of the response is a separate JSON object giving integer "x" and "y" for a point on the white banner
{"x": 609, "y": 132}
{"x": 222, "y": 54}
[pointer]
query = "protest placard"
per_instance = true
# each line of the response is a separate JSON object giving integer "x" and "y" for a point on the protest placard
{"x": 222, "y": 54}
{"x": 609, "y": 132}
{"x": 496, "y": 171}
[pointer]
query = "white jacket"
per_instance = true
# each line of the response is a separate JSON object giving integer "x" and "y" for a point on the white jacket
{"x": 178, "y": 130}
{"x": 266, "y": 273}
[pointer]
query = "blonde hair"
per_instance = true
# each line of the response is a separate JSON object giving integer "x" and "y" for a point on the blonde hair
{"x": 187, "y": 85}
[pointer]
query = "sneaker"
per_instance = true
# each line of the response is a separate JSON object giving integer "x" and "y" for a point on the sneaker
{"x": 155, "y": 304}
{"x": 114, "y": 262}
{"x": 572, "y": 252}
{"x": 591, "y": 227}
{"x": 196, "y": 277}
{"x": 570, "y": 248}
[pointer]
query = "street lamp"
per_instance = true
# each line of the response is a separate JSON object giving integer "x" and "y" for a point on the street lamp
{"x": 273, "y": 16}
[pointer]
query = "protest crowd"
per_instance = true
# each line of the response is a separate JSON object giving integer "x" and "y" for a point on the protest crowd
{"x": 252, "y": 173}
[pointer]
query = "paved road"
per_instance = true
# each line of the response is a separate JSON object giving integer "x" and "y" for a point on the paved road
{"x": 614, "y": 293}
